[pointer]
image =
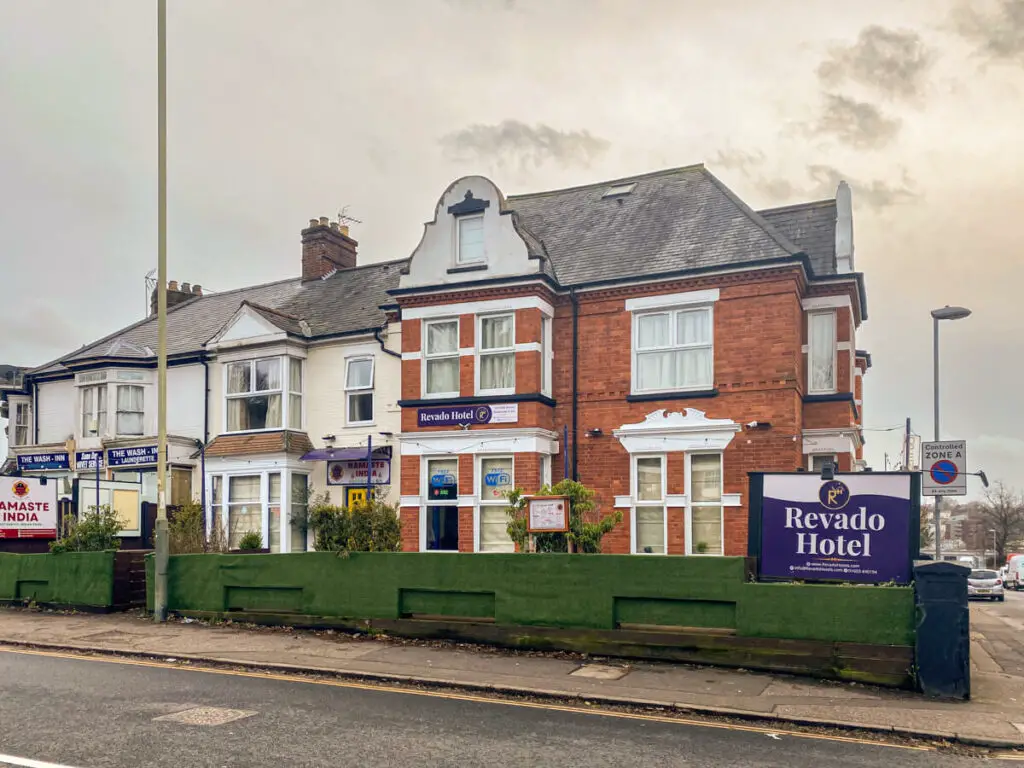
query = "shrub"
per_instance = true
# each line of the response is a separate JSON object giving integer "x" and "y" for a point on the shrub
{"x": 251, "y": 540}
{"x": 95, "y": 531}
{"x": 187, "y": 529}
{"x": 367, "y": 526}
{"x": 585, "y": 533}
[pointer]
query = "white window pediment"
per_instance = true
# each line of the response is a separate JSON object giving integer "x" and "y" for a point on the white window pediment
{"x": 246, "y": 327}
{"x": 689, "y": 430}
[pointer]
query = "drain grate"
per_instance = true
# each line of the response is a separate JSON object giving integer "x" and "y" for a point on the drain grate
{"x": 205, "y": 716}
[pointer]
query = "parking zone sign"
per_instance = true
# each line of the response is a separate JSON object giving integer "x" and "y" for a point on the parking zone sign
{"x": 944, "y": 467}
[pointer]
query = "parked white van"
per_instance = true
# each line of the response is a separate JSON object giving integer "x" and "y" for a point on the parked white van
{"x": 1015, "y": 573}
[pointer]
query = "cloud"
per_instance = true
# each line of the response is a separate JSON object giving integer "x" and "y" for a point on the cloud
{"x": 512, "y": 142}
{"x": 857, "y": 123}
{"x": 876, "y": 193}
{"x": 738, "y": 160}
{"x": 892, "y": 62}
{"x": 40, "y": 326}
{"x": 998, "y": 31}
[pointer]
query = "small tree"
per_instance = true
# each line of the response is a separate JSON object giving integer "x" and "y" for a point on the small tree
{"x": 586, "y": 527}
{"x": 1003, "y": 512}
{"x": 188, "y": 534}
{"x": 251, "y": 540}
{"x": 366, "y": 526}
{"x": 95, "y": 531}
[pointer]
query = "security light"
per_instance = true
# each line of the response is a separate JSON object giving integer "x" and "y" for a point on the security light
{"x": 951, "y": 313}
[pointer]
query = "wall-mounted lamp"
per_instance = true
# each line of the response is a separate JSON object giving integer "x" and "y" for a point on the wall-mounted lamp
{"x": 328, "y": 438}
{"x": 387, "y": 435}
{"x": 758, "y": 424}
{"x": 595, "y": 432}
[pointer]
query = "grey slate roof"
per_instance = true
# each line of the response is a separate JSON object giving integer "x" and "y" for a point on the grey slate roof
{"x": 347, "y": 301}
{"x": 683, "y": 218}
{"x": 812, "y": 226}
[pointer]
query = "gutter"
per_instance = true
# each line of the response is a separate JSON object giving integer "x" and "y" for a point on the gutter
{"x": 575, "y": 378}
{"x": 385, "y": 350}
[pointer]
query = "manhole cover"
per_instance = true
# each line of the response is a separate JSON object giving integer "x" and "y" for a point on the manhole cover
{"x": 206, "y": 716}
{"x": 600, "y": 671}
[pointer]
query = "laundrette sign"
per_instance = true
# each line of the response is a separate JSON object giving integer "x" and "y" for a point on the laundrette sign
{"x": 855, "y": 527}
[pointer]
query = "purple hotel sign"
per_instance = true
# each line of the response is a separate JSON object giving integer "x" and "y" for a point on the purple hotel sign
{"x": 853, "y": 528}
{"x": 455, "y": 415}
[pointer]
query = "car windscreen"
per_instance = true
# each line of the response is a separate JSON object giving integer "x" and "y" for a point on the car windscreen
{"x": 984, "y": 575}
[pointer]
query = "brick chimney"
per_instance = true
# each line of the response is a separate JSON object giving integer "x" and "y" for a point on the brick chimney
{"x": 326, "y": 247}
{"x": 175, "y": 295}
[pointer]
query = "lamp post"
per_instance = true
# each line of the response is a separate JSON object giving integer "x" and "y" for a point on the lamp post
{"x": 943, "y": 313}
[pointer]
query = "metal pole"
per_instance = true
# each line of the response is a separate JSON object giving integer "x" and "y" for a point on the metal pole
{"x": 935, "y": 397}
{"x": 369, "y": 467}
{"x": 160, "y": 536}
{"x": 906, "y": 448}
{"x": 98, "y": 482}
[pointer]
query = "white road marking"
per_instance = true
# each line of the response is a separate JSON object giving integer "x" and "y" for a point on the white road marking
{"x": 27, "y": 763}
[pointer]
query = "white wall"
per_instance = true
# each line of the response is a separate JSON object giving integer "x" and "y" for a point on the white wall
{"x": 435, "y": 255}
{"x": 57, "y": 410}
{"x": 185, "y": 402}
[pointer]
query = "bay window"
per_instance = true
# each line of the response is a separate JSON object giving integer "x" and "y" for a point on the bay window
{"x": 22, "y": 423}
{"x": 441, "y": 358}
{"x": 94, "y": 410}
{"x": 495, "y": 479}
{"x": 442, "y": 518}
{"x": 471, "y": 239}
{"x": 704, "y": 494}
{"x": 245, "y": 512}
{"x": 821, "y": 352}
{"x": 298, "y": 517}
{"x": 256, "y": 394}
{"x": 546, "y": 350}
{"x": 359, "y": 390}
{"x": 496, "y": 355}
{"x": 274, "y": 513}
{"x": 130, "y": 409}
{"x": 673, "y": 350}
{"x": 649, "y": 520}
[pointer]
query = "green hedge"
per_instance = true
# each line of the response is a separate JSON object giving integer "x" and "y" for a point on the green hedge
{"x": 550, "y": 590}
{"x": 77, "y": 579}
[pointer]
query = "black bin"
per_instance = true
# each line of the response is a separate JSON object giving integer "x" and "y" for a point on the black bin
{"x": 943, "y": 647}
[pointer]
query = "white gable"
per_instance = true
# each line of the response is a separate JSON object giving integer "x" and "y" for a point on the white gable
{"x": 246, "y": 326}
{"x": 434, "y": 262}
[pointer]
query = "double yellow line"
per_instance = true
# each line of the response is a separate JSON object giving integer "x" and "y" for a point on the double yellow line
{"x": 548, "y": 707}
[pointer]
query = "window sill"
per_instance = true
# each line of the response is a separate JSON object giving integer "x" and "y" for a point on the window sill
{"x": 439, "y": 395}
{"x": 441, "y": 551}
{"x": 480, "y": 266}
{"x": 495, "y": 392}
{"x": 649, "y": 397}
{"x": 354, "y": 424}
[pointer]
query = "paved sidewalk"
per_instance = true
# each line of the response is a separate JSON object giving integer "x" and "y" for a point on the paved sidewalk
{"x": 994, "y": 716}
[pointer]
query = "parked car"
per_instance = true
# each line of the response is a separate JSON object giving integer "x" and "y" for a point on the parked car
{"x": 1015, "y": 572}
{"x": 985, "y": 584}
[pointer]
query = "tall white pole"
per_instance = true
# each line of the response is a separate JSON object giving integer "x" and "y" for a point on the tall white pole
{"x": 935, "y": 405}
{"x": 161, "y": 533}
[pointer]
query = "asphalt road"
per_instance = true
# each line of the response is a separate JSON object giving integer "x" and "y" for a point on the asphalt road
{"x": 89, "y": 713}
{"x": 1004, "y": 631}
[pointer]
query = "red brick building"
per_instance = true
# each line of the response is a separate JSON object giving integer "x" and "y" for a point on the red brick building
{"x": 653, "y": 337}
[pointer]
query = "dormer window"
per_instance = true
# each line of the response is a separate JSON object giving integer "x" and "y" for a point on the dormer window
{"x": 619, "y": 190}
{"x": 471, "y": 239}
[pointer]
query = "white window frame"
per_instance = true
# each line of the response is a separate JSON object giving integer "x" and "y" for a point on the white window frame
{"x": 690, "y": 502}
{"x": 92, "y": 392}
{"x": 352, "y": 391}
{"x": 479, "y": 352}
{"x": 812, "y": 456}
{"x": 810, "y": 353}
{"x": 545, "y": 469}
{"x": 284, "y": 362}
{"x": 547, "y": 357}
{"x": 427, "y": 356}
{"x": 25, "y": 407}
{"x": 425, "y": 495}
{"x": 478, "y": 463}
{"x": 636, "y": 502}
{"x": 220, "y": 511}
{"x": 117, "y": 411}
{"x": 672, "y": 312}
{"x": 459, "y": 221}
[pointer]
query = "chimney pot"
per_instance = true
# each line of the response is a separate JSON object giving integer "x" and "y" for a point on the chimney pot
{"x": 334, "y": 226}
{"x": 314, "y": 222}
{"x": 324, "y": 221}
{"x": 344, "y": 229}
{"x": 186, "y": 287}
{"x": 197, "y": 290}
{"x": 172, "y": 285}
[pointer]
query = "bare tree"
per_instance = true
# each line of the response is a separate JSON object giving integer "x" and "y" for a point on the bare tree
{"x": 1003, "y": 512}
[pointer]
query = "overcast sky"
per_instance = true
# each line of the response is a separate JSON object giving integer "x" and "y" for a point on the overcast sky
{"x": 282, "y": 110}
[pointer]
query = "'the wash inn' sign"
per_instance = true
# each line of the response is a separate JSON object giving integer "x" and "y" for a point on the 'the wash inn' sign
{"x": 859, "y": 527}
{"x": 28, "y": 508}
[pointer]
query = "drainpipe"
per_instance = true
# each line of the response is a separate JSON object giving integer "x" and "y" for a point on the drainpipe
{"x": 35, "y": 413}
{"x": 376, "y": 335}
{"x": 206, "y": 432}
{"x": 575, "y": 379}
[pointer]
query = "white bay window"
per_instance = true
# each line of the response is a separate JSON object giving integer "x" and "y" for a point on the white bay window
{"x": 673, "y": 350}
{"x": 21, "y": 423}
{"x": 94, "y": 410}
{"x": 441, "y": 358}
{"x": 496, "y": 355}
{"x": 704, "y": 494}
{"x": 649, "y": 513}
{"x": 255, "y": 394}
{"x": 131, "y": 410}
{"x": 821, "y": 352}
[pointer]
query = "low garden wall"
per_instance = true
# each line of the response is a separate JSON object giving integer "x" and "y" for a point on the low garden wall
{"x": 82, "y": 580}
{"x": 685, "y": 609}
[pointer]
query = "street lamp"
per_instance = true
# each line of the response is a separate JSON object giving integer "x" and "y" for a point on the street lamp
{"x": 995, "y": 553}
{"x": 943, "y": 313}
